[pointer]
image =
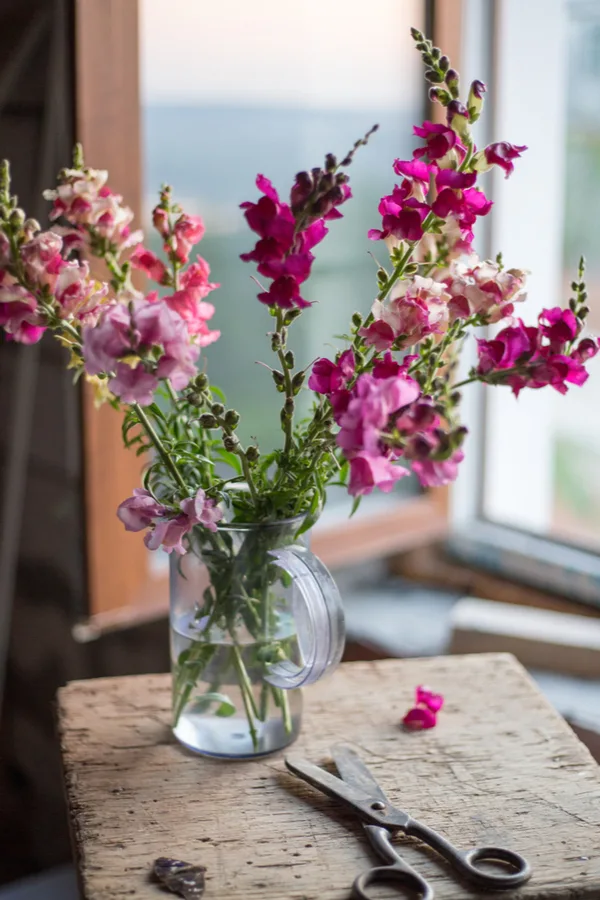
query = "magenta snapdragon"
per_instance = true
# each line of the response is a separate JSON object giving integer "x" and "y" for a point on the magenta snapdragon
{"x": 287, "y": 235}
{"x": 537, "y": 356}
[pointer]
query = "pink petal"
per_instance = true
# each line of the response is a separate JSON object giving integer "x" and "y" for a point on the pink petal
{"x": 429, "y": 699}
{"x": 419, "y": 718}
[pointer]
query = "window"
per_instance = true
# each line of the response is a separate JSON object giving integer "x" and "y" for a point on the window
{"x": 219, "y": 105}
{"x": 531, "y": 482}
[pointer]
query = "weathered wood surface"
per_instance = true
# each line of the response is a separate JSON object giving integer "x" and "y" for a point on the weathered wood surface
{"x": 501, "y": 767}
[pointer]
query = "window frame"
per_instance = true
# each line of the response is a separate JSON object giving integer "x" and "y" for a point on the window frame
{"x": 122, "y": 587}
{"x": 516, "y": 553}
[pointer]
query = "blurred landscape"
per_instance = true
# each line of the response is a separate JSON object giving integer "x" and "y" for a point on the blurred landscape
{"x": 211, "y": 156}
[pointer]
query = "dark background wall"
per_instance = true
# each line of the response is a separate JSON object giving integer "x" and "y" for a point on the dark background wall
{"x": 47, "y": 528}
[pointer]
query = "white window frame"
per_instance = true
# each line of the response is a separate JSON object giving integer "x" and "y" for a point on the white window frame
{"x": 520, "y": 49}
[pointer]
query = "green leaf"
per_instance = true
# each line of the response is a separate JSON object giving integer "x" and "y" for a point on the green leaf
{"x": 355, "y": 505}
{"x": 225, "y": 708}
{"x": 218, "y": 393}
{"x": 232, "y": 459}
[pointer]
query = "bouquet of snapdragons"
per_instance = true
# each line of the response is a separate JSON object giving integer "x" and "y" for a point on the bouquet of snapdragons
{"x": 385, "y": 404}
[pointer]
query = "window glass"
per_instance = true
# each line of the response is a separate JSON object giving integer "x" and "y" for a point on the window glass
{"x": 541, "y": 452}
{"x": 576, "y": 504}
{"x": 273, "y": 94}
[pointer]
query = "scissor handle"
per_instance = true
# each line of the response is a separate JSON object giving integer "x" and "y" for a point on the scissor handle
{"x": 397, "y": 872}
{"x": 465, "y": 861}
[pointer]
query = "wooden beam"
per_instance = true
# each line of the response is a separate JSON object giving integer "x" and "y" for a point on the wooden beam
{"x": 108, "y": 125}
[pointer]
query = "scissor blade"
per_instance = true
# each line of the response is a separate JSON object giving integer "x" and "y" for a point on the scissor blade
{"x": 355, "y": 772}
{"x": 355, "y": 797}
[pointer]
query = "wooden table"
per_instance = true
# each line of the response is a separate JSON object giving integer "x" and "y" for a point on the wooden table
{"x": 501, "y": 767}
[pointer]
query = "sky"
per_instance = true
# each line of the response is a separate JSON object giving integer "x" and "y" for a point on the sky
{"x": 338, "y": 54}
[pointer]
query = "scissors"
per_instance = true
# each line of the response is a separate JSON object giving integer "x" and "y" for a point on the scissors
{"x": 360, "y": 791}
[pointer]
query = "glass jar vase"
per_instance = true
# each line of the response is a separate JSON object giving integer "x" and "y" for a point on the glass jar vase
{"x": 254, "y": 617}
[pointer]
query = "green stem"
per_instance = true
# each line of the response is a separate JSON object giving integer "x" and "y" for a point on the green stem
{"x": 160, "y": 448}
{"x": 250, "y": 707}
{"x": 401, "y": 265}
{"x": 460, "y": 384}
{"x": 288, "y": 428}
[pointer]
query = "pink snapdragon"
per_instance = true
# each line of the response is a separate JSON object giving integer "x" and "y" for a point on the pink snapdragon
{"x": 437, "y": 473}
{"x": 415, "y": 308}
{"x": 137, "y": 345}
{"x": 88, "y": 204}
{"x": 19, "y": 316}
{"x": 483, "y": 289}
{"x": 42, "y": 258}
{"x": 369, "y": 471}
{"x": 369, "y": 409}
{"x": 373, "y": 403}
{"x": 77, "y": 295}
{"x": 148, "y": 262}
{"x": 168, "y": 526}
{"x": 187, "y": 232}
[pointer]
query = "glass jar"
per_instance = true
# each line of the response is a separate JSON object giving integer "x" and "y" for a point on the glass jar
{"x": 254, "y": 617}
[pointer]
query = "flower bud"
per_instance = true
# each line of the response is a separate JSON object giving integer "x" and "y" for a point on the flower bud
{"x": 16, "y": 218}
{"x": 586, "y": 349}
{"x": 301, "y": 191}
{"x": 330, "y": 163}
{"x": 475, "y": 99}
{"x": 207, "y": 421}
{"x": 289, "y": 406}
{"x": 232, "y": 418}
{"x": 433, "y": 77}
{"x": 444, "y": 63}
{"x": 201, "y": 382}
{"x": 217, "y": 409}
{"x": 327, "y": 181}
{"x": 289, "y": 359}
{"x": 457, "y": 438}
{"x": 230, "y": 442}
{"x": 416, "y": 34}
{"x": 357, "y": 319}
{"x": 252, "y": 454}
{"x": 452, "y": 81}
{"x": 583, "y": 312}
{"x": 297, "y": 382}
{"x": 160, "y": 220}
{"x": 278, "y": 378}
{"x": 457, "y": 116}
{"x": 194, "y": 399}
{"x": 31, "y": 228}
{"x": 291, "y": 315}
{"x": 275, "y": 341}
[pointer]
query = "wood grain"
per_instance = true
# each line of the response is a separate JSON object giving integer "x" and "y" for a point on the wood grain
{"x": 108, "y": 125}
{"x": 500, "y": 767}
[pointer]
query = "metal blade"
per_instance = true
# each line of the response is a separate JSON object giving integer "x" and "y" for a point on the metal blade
{"x": 355, "y": 772}
{"x": 372, "y": 808}
{"x": 354, "y": 797}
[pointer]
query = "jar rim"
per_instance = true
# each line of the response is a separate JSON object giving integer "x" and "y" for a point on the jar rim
{"x": 256, "y": 526}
